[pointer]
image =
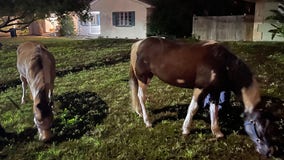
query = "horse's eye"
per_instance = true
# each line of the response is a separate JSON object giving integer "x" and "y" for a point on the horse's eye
{"x": 258, "y": 140}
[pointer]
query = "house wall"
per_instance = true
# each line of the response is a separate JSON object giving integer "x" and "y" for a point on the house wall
{"x": 106, "y": 7}
{"x": 41, "y": 27}
{"x": 37, "y": 27}
{"x": 261, "y": 25}
{"x": 88, "y": 30}
{"x": 223, "y": 28}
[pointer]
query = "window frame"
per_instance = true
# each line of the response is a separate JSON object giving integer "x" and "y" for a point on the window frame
{"x": 123, "y": 19}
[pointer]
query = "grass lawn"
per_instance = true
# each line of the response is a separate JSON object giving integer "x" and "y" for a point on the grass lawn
{"x": 93, "y": 116}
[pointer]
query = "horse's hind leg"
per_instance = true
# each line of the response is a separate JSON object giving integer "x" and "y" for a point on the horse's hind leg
{"x": 24, "y": 86}
{"x": 214, "y": 121}
{"x": 192, "y": 109}
{"x": 133, "y": 82}
{"x": 142, "y": 98}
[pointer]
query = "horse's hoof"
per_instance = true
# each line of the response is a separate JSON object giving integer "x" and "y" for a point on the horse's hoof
{"x": 185, "y": 136}
{"x": 45, "y": 135}
{"x": 219, "y": 135}
{"x": 149, "y": 125}
{"x": 185, "y": 132}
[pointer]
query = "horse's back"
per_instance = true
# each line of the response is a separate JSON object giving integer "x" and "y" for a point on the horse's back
{"x": 173, "y": 62}
{"x": 34, "y": 57}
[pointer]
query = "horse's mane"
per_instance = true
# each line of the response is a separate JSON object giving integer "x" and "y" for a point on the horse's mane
{"x": 238, "y": 72}
{"x": 36, "y": 71}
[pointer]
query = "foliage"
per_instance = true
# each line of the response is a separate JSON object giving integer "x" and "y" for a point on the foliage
{"x": 93, "y": 117}
{"x": 173, "y": 18}
{"x": 66, "y": 26}
{"x": 22, "y": 13}
{"x": 278, "y": 18}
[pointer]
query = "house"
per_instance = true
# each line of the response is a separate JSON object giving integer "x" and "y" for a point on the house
{"x": 117, "y": 19}
{"x": 261, "y": 24}
{"x": 108, "y": 19}
{"x": 46, "y": 26}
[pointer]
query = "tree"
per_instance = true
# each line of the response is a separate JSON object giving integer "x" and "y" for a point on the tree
{"x": 174, "y": 17}
{"x": 67, "y": 26}
{"x": 278, "y": 17}
{"x": 171, "y": 18}
{"x": 21, "y": 13}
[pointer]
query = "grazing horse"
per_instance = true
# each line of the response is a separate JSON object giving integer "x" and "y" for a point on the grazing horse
{"x": 206, "y": 67}
{"x": 37, "y": 69}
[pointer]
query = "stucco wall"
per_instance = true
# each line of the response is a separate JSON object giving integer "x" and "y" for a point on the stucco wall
{"x": 87, "y": 30}
{"x": 106, "y": 7}
{"x": 261, "y": 25}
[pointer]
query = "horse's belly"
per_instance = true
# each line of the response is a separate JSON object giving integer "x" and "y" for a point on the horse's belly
{"x": 183, "y": 81}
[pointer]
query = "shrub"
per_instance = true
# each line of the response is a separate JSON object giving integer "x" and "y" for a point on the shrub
{"x": 67, "y": 26}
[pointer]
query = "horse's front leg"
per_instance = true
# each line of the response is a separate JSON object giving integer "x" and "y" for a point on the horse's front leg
{"x": 24, "y": 86}
{"x": 142, "y": 98}
{"x": 214, "y": 121}
{"x": 192, "y": 109}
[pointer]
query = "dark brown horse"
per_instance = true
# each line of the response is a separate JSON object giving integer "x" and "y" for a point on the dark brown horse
{"x": 207, "y": 67}
{"x": 37, "y": 69}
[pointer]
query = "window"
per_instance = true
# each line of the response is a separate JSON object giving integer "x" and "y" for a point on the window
{"x": 93, "y": 21}
{"x": 123, "y": 19}
{"x": 84, "y": 23}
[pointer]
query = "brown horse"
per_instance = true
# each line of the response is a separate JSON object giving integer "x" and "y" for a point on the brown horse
{"x": 207, "y": 67}
{"x": 37, "y": 69}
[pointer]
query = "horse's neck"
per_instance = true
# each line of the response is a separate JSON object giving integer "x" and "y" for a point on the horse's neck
{"x": 46, "y": 68}
{"x": 42, "y": 94}
{"x": 40, "y": 78}
{"x": 251, "y": 96}
{"x": 39, "y": 86}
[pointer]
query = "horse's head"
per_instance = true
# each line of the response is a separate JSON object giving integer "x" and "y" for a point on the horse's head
{"x": 43, "y": 118}
{"x": 258, "y": 126}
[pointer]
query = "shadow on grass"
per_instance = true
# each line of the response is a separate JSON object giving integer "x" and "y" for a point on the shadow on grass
{"x": 8, "y": 138}
{"x": 230, "y": 117}
{"x": 78, "y": 113}
{"x": 106, "y": 61}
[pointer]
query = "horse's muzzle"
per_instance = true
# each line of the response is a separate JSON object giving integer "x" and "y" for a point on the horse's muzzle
{"x": 44, "y": 135}
{"x": 266, "y": 151}
{"x": 44, "y": 129}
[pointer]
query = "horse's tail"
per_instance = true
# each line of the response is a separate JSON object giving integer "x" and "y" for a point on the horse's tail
{"x": 133, "y": 82}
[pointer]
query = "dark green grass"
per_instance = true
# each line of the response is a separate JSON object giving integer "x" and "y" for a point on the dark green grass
{"x": 93, "y": 116}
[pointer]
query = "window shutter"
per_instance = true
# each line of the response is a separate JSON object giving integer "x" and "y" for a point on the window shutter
{"x": 99, "y": 19}
{"x": 132, "y": 18}
{"x": 114, "y": 18}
